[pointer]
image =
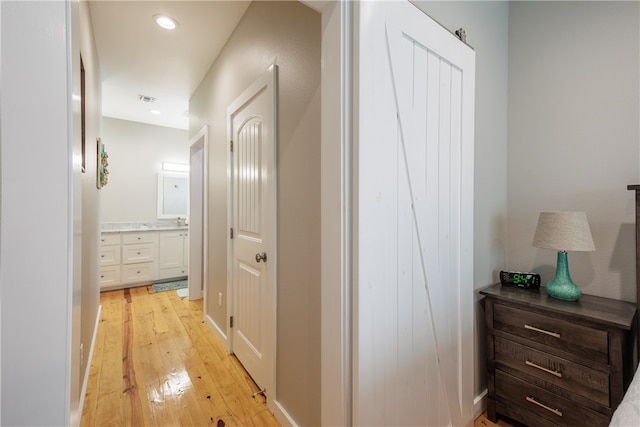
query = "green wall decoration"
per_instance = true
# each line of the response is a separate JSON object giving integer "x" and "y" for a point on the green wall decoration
{"x": 102, "y": 173}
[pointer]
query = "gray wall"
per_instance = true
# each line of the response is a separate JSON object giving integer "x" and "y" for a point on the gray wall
{"x": 486, "y": 25}
{"x": 288, "y": 34}
{"x": 571, "y": 122}
{"x": 573, "y": 135}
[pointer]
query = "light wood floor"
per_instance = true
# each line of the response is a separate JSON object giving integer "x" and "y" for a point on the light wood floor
{"x": 483, "y": 421}
{"x": 156, "y": 363}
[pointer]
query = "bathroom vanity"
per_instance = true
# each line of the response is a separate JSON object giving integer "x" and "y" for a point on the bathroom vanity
{"x": 134, "y": 254}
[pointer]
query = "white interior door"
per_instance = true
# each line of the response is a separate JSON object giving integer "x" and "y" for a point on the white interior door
{"x": 252, "y": 132}
{"x": 414, "y": 345}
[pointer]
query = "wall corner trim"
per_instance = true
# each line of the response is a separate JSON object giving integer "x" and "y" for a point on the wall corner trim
{"x": 480, "y": 403}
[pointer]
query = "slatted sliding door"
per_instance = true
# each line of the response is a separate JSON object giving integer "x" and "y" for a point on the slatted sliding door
{"x": 413, "y": 358}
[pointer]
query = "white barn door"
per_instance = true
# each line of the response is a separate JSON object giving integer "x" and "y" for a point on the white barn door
{"x": 413, "y": 355}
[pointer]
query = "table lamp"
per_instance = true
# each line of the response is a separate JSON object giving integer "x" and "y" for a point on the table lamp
{"x": 563, "y": 231}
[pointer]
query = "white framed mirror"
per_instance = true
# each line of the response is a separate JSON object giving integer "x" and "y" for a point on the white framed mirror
{"x": 173, "y": 195}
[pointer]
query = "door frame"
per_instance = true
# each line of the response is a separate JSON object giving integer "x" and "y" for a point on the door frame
{"x": 198, "y": 229}
{"x": 268, "y": 82}
{"x": 338, "y": 303}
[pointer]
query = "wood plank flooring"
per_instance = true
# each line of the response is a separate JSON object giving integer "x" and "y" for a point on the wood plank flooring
{"x": 156, "y": 363}
{"x": 483, "y": 421}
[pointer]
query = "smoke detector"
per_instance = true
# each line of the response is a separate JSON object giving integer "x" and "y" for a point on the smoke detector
{"x": 145, "y": 98}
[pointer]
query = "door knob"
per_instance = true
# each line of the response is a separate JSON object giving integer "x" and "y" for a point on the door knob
{"x": 262, "y": 256}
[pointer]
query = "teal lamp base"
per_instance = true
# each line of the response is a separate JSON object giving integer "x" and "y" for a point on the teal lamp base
{"x": 562, "y": 287}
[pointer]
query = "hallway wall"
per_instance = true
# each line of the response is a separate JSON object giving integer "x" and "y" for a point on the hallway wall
{"x": 287, "y": 33}
{"x": 89, "y": 299}
{"x": 48, "y": 236}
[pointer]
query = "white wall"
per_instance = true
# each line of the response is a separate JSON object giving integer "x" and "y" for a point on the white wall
{"x": 49, "y": 245}
{"x": 573, "y": 134}
{"x": 486, "y": 25}
{"x": 36, "y": 230}
{"x": 90, "y": 287}
{"x": 136, "y": 152}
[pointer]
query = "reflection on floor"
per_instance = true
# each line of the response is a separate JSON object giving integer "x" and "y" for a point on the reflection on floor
{"x": 156, "y": 363}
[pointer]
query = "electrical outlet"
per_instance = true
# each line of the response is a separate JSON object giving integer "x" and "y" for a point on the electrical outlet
{"x": 220, "y": 299}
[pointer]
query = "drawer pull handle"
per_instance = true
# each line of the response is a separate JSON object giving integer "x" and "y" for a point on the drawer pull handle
{"x": 542, "y": 368}
{"x": 542, "y": 331}
{"x": 542, "y": 405}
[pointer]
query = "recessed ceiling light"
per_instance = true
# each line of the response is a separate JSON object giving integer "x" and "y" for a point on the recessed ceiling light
{"x": 156, "y": 112}
{"x": 165, "y": 22}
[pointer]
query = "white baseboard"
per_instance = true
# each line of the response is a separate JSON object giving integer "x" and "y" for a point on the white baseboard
{"x": 219, "y": 333}
{"x": 77, "y": 415}
{"x": 480, "y": 404}
{"x": 283, "y": 416}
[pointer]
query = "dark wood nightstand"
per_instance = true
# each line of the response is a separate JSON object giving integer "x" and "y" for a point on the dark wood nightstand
{"x": 554, "y": 362}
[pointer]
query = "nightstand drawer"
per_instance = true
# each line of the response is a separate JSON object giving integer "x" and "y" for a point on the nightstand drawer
{"x": 545, "y": 404}
{"x": 572, "y": 360}
{"x": 563, "y": 373}
{"x": 557, "y": 334}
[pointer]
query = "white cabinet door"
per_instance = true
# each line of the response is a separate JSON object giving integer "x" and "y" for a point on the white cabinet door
{"x": 109, "y": 276}
{"x": 171, "y": 249}
{"x": 141, "y": 237}
{"x": 132, "y": 273}
{"x": 143, "y": 252}
{"x": 110, "y": 255}
{"x": 172, "y": 258}
{"x": 185, "y": 251}
{"x": 414, "y": 268}
{"x": 110, "y": 239}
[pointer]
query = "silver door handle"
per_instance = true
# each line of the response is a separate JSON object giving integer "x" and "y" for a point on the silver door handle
{"x": 262, "y": 256}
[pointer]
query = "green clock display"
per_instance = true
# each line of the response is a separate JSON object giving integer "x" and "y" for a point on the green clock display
{"x": 520, "y": 279}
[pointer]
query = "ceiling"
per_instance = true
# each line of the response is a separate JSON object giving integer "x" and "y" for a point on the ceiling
{"x": 137, "y": 57}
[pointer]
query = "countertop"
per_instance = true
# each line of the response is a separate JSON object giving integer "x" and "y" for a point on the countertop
{"x": 117, "y": 227}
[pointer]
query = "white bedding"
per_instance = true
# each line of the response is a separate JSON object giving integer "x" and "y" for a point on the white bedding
{"x": 628, "y": 413}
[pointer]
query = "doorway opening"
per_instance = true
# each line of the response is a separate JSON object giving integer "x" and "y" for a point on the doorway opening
{"x": 198, "y": 189}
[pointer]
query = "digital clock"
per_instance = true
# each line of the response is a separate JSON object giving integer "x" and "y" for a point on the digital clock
{"x": 520, "y": 279}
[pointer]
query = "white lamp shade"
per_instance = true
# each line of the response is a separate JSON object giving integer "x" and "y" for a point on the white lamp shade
{"x": 563, "y": 231}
